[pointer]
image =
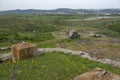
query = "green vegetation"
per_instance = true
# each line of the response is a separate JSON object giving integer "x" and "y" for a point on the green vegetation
{"x": 50, "y": 31}
{"x": 115, "y": 26}
{"x": 51, "y": 66}
{"x": 45, "y": 31}
{"x": 31, "y": 28}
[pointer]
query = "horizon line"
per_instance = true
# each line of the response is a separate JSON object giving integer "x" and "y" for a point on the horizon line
{"x": 59, "y": 8}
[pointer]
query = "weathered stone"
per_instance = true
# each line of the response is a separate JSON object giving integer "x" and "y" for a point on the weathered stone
{"x": 109, "y": 61}
{"x": 4, "y": 57}
{"x": 4, "y": 48}
{"x": 73, "y": 33}
{"x": 23, "y": 51}
{"x": 98, "y": 74}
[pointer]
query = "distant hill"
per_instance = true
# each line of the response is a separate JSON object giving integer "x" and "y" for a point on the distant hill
{"x": 63, "y": 11}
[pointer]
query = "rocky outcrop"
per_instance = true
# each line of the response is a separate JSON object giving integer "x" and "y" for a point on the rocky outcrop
{"x": 97, "y": 74}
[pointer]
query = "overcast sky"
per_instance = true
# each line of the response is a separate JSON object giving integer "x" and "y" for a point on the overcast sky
{"x": 53, "y": 4}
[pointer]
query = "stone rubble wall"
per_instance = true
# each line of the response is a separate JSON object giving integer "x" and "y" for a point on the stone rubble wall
{"x": 4, "y": 57}
{"x": 79, "y": 53}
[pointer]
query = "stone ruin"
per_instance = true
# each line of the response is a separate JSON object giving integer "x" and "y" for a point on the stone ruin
{"x": 8, "y": 56}
{"x": 4, "y": 48}
{"x": 73, "y": 33}
{"x": 23, "y": 50}
{"x": 97, "y": 74}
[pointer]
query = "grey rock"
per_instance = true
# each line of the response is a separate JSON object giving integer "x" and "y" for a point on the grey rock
{"x": 6, "y": 56}
{"x": 73, "y": 33}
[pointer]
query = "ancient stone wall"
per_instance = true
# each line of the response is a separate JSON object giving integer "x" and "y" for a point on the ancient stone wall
{"x": 68, "y": 51}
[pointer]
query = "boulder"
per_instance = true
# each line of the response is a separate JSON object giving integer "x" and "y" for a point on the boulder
{"x": 23, "y": 50}
{"x": 98, "y": 74}
{"x": 73, "y": 33}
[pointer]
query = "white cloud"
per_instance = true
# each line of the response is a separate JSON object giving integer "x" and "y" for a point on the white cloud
{"x": 53, "y": 4}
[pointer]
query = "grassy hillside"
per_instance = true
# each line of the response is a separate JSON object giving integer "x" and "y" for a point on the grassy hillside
{"x": 51, "y": 66}
{"x": 115, "y": 26}
{"x": 26, "y": 28}
{"x": 50, "y": 31}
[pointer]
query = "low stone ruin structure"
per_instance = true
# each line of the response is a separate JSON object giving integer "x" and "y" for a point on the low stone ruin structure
{"x": 73, "y": 33}
{"x": 23, "y": 50}
{"x": 4, "y": 57}
{"x": 40, "y": 51}
{"x": 4, "y": 48}
{"x": 97, "y": 74}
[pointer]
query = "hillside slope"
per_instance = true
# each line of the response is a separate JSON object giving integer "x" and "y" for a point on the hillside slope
{"x": 55, "y": 66}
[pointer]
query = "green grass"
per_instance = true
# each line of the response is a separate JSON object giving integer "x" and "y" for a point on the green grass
{"x": 101, "y": 47}
{"x": 115, "y": 26}
{"x": 49, "y": 44}
{"x": 6, "y": 51}
{"x": 4, "y": 44}
{"x": 49, "y": 31}
{"x": 26, "y": 28}
{"x": 51, "y": 66}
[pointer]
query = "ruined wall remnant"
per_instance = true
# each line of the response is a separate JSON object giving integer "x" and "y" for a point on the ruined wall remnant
{"x": 37, "y": 52}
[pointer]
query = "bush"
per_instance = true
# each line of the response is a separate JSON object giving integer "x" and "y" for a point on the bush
{"x": 115, "y": 26}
